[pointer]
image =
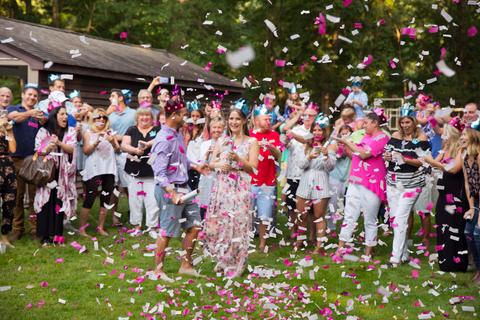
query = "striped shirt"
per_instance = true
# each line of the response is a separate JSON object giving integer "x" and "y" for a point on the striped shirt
{"x": 405, "y": 174}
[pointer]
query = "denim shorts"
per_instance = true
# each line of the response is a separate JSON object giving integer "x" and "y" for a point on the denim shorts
{"x": 174, "y": 217}
{"x": 263, "y": 201}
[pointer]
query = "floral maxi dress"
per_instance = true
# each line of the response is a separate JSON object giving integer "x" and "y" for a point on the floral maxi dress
{"x": 228, "y": 222}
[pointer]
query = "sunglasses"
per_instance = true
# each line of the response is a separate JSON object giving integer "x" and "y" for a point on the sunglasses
{"x": 101, "y": 117}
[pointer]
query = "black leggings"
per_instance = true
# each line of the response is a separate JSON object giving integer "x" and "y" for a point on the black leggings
{"x": 107, "y": 181}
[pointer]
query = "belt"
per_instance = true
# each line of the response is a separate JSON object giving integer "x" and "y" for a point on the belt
{"x": 181, "y": 185}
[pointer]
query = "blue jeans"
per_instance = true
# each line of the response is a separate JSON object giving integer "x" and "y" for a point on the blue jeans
{"x": 264, "y": 201}
{"x": 472, "y": 233}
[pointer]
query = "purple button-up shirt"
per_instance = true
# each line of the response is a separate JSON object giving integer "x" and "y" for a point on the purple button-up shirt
{"x": 170, "y": 163}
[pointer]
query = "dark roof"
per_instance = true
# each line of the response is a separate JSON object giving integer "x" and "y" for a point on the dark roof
{"x": 52, "y": 44}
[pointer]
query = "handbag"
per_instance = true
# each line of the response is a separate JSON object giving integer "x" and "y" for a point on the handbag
{"x": 37, "y": 170}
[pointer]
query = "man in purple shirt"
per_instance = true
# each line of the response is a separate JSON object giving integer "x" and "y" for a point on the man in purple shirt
{"x": 170, "y": 167}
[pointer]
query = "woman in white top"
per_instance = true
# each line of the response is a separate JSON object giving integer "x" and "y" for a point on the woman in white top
{"x": 100, "y": 146}
{"x": 217, "y": 126}
{"x": 314, "y": 190}
{"x": 297, "y": 127}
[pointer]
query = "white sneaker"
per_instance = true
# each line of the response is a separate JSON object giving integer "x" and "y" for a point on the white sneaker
{"x": 136, "y": 233}
{"x": 162, "y": 276}
{"x": 153, "y": 234}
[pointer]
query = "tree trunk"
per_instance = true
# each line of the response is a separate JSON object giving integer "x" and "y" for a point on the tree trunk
{"x": 55, "y": 13}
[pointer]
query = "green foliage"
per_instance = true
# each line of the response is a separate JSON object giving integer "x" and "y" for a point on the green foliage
{"x": 174, "y": 24}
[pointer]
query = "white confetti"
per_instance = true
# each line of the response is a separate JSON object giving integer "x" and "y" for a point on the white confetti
{"x": 8, "y": 40}
{"x": 442, "y": 66}
{"x": 272, "y": 27}
{"x": 446, "y": 16}
{"x": 333, "y": 19}
{"x": 237, "y": 58}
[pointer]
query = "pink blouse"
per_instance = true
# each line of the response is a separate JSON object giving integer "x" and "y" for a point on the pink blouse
{"x": 371, "y": 172}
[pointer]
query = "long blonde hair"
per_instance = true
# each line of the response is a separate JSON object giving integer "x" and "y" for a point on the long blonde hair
{"x": 473, "y": 143}
{"x": 99, "y": 112}
{"x": 450, "y": 145}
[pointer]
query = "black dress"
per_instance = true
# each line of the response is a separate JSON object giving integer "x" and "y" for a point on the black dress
{"x": 8, "y": 186}
{"x": 50, "y": 219}
{"x": 450, "y": 226}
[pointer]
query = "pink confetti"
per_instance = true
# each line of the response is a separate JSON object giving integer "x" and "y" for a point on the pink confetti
{"x": 472, "y": 31}
{"x": 57, "y": 208}
{"x": 322, "y": 24}
{"x": 208, "y": 66}
{"x": 123, "y": 35}
{"x": 141, "y": 193}
{"x": 345, "y": 91}
{"x": 368, "y": 60}
{"x": 358, "y": 25}
{"x": 443, "y": 53}
{"x": 380, "y": 22}
{"x": 44, "y": 284}
{"x": 280, "y": 63}
{"x": 433, "y": 29}
{"x": 392, "y": 64}
{"x": 415, "y": 274}
{"x": 410, "y": 32}
{"x": 346, "y": 3}
{"x": 76, "y": 245}
{"x": 408, "y": 195}
{"x": 103, "y": 92}
{"x": 417, "y": 303}
{"x": 287, "y": 262}
{"x": 449, "y": 198}
{"x": 429, "y": 206}
{"x": 59, "y": 260}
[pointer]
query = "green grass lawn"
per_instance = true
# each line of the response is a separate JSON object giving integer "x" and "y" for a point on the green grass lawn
{"x": 61, "y": 283}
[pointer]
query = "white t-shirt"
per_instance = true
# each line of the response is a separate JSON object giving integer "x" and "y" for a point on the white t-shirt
{"x": 101, "y": 161}
{"x": 193, "y": 150}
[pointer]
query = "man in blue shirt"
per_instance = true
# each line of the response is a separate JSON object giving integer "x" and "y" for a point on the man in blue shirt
{"x": 121, "y": 117}
{"x": 27, "y": 121}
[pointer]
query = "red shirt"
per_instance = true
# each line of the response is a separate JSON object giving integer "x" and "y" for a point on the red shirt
{"x": 266, "y": 170}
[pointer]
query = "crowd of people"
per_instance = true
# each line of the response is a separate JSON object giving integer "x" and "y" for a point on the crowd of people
{"x": 214, "y": 170}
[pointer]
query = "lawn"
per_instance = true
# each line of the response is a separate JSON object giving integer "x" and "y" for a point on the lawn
{"x": 110, "y": 283}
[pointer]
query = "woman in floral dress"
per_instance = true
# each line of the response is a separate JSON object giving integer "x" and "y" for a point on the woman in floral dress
{"x": 57, "y": 142}
{"x": 228, "y": 222}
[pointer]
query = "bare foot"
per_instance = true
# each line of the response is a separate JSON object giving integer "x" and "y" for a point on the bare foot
{"x": 84, "y": 234}
{"x": 162, "y": 275}
{"x": 189, "y": 271}
{"x": 102, "y": 232}
{"x": 425, "y": 242}
{"x": 5, "y": 241}
{"x": 319, "y": 251}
